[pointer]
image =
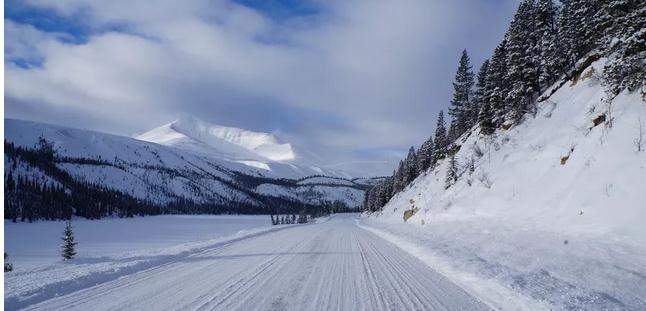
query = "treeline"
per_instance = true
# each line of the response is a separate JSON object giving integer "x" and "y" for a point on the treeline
{"x": 58, "y": 195}
{"x": 544, "y": 44}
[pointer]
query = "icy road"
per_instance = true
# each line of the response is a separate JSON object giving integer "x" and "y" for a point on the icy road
{"x": 334, "y": 265}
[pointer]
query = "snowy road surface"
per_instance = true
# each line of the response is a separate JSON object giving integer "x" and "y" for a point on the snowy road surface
{"x": 333, "y": 265}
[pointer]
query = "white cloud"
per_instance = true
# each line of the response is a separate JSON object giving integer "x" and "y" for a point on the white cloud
{"x": 380, "y": 69}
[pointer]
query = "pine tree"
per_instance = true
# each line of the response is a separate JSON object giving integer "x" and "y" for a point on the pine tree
{"x": 452, "y": 134}
{"x": 411, "y": 170}
{"x": 481, "y": 94}
{"x": 521, "y": 71}
{"x": 451, "y": 173}
{"x": 8, "y": 266}
{"x": 440, "y": 140}
{"x": 485, "y": 120}
{"x": 69, "y": 246}
{"x": 425, "y": 155}
{"x": 626, "y": 68}
{"x": 462, "y": 93}
{"x": 577, "y": 29}
{"x": 548, "y": 52}
{"x": 398, "y": 178}
{"x": 366, "y": 205}
{"x": 386, "y": 191}
{"x": 497, "y": 86}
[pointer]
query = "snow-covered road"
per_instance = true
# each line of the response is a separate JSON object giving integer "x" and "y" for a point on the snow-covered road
{"x": 334, "y": 265}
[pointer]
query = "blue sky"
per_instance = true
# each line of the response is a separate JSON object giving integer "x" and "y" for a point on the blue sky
{"x": 349, "y": 80}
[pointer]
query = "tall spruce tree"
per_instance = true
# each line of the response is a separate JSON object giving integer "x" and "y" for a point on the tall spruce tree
{"x": 440, "y": 140}
{"x": 481, "y": 94}
{"x": 521, "y": 69}
{"x": 68, "y": 250}
{"x": 462, "y": 92}
{"x": 497, "y": 86}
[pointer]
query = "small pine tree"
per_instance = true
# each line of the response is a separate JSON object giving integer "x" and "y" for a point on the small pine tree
{"x": 451, "y": 173}
{"x": 69, "y": 246}
{"x": 8, "y": 266}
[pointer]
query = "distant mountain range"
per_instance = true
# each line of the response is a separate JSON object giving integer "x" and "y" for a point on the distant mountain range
{"x": 188, "y": 162}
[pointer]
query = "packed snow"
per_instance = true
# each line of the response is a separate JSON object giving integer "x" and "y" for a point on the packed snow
{"x": 329, "y": 265}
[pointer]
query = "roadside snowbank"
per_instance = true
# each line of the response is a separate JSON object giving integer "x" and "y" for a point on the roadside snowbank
{"x": 520, "y": 268}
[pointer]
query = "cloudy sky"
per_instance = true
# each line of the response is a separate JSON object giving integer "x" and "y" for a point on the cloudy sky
{"x": 347, "y": 79}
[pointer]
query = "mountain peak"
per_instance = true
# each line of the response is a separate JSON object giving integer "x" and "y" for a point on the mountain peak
{"x": 236, "y": 142}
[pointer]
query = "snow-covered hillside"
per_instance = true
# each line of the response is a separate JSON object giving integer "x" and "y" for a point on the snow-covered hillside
{"x": 547, "y": 214}
{"x": 557, "y": 170}
{"x": 163, "y": 174}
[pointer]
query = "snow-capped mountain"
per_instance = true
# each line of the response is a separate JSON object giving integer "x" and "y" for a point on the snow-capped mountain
{"x": 210, "y": 167}
{"x": 262, "y": 151}
{"x": 194, "y": 134}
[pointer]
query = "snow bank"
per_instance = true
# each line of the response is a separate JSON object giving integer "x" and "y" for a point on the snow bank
{"x": 521, "y": 269}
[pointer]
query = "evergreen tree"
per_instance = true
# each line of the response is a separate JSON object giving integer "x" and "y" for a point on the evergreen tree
{"x": 69, "y": 246}
{"x": 548, "y": 52}
{"x": 451, "y": 173}
{"x": 440, "y": 140}
{"x": 461, "y": 103}
{"x": 626, "y": 68}
{"x": 577, "y": 29}
{"x": 485, "y": 120}
{"x": 497, "y": 86}
{"x": 398, "y": 178}
{"x": 372, "y": 199}
{"x": 425, "y": 155}
{"x": 481, "y": 94}
{"x": 8, "y": 266}
{"x": 366, "y": 203}
{"x": 386, "y": 191}
{"x": 452, "y": 134}
{"x": 521, "y": 70}
{"x": 411, "y": 170}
